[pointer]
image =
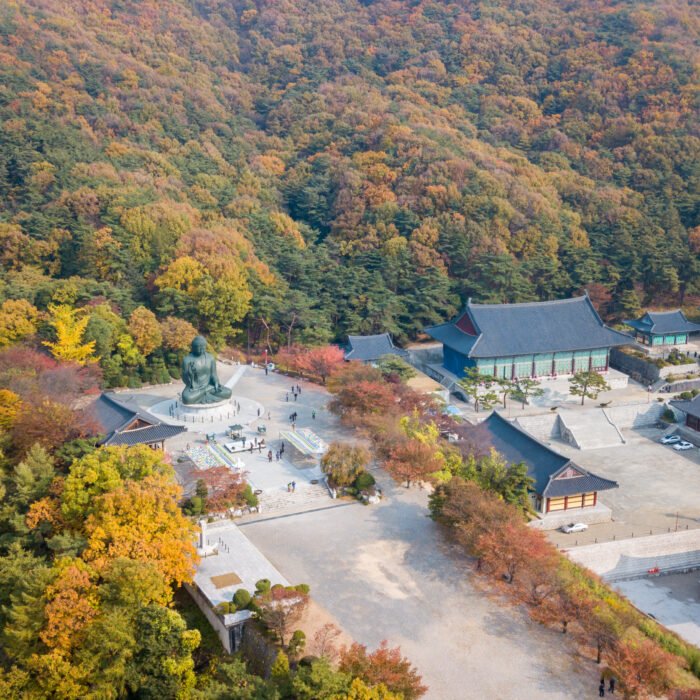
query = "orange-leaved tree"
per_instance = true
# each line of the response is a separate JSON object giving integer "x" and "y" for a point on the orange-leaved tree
{"x": 384, "y": 665}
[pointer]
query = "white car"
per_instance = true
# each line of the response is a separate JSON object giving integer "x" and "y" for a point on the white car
{"x": 574, "y": 527}
{"x": 670, "y": 439}
{"x": 683, "y": 445}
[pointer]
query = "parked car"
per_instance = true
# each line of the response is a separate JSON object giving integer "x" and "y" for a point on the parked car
{"x": 670, "y": 439}
{"x": 574, "y": 527}
{"x": 683, "y": 445}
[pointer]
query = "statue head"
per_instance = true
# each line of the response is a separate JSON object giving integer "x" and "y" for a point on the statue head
{"x": 199, "y": 345}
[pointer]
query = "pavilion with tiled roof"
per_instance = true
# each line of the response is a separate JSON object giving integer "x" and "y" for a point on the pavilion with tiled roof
{"x": 369, "y": 348}
{"x": 122, "y": 424}
{"x": 536, "y": 339}
{"x": 657, "y": 328}
{"x": 559, "y": 483}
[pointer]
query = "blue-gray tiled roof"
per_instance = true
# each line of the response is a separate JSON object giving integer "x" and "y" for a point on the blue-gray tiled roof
{"x": 113, "y": 416}
{"x": 660, "y": 322}
{"x": 144, "y": 436}
{"x": 543, "y": 463}
{"x": 368, "y": 348}
{"x": 507, "y": 330}
{"x": 692, "y": 408}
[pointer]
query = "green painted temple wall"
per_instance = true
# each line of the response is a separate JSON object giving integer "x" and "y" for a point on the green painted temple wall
{"x": 544, "y": 364}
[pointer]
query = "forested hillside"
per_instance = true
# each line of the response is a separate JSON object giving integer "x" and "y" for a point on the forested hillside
{"x": 300, "y": 169}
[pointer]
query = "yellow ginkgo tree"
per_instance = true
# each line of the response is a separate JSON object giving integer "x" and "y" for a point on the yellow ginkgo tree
{"x": 70, "y": 325}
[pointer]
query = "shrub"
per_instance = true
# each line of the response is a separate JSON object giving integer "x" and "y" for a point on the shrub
{"x": 350, "y": 491}
{"x": 668, "y": 415}
{"x": 364, "y": 480}
{"x": 262, "y": 586}
{"x": 302, "y": 588}
{"x": 225, "y": 608}
{"x": 249, "y": 497}
{"x": 241, "y": 598}
{"x": 297, "y": 643}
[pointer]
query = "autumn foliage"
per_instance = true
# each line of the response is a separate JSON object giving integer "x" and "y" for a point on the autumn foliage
{"x": 383, "y": 665}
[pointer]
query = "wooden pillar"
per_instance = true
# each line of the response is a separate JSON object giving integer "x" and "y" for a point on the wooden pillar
{"x": 595, "y": 497}
{"x": 554, "y": 364}
{"x": 533, "y": 372}
{"x": 566, "y": 503}
{"x": 547, "y": 511}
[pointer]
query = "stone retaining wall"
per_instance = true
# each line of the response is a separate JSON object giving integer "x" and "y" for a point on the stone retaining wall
{"x": 635, "y": 557}
{"x": 646, "y": 371}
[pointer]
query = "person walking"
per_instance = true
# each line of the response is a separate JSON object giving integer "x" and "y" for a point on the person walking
{"x": 251, "y": 448}
{"x": 298, "y": 389}
{"x": 258, "y": 413}
{"x": 269, "y": 415}
{"x": 601, "y": 688}
{"x": 282, "y": 449}
{"x": 611, "y": 685}
{"x": 286, "y": 397}
{"x": 269, "y": 455}
{"x": 313, "y": 415}
{"x": 294, "y": 486}
{"x": 295, "y": 396}
{"x": 260, "y": 446}
{"x": 289, "y": 487}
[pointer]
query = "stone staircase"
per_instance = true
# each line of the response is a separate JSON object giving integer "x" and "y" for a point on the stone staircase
{"x": 589, "y": 429}
{"x": 306, "y": 497}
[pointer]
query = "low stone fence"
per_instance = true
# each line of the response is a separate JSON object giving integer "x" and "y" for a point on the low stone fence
{"x": 646, "y": 371}
{"x": 637, "y": 557}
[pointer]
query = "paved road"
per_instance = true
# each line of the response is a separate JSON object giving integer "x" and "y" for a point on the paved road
{"x": 385, "y": 573}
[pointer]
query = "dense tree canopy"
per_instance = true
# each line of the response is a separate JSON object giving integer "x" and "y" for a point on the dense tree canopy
{"x": 301, "y": 170}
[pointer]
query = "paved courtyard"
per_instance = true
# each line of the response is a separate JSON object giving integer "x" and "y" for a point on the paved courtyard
{"x": 674, "y": 600}
{"x": 385, "y": 572}
{"x": 658, "y": 491}
{"x": 272, "y": 395}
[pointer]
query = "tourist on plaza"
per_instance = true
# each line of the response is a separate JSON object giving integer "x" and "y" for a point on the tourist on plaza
{"x": 286, "y": 396}
{"x": 282, "y": 449}
{"x": 295, "y": 396}
{"x": 313, "y": 415}
{"x": 601, "y": 688}
{"x": 611, "y": 686}
{"x": 294, "y": 486}
{"x": 269, "y": 455}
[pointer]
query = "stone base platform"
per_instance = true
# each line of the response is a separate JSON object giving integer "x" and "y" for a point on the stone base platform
{"x": 214, "y": 417}
{"x": 599, "y": 513}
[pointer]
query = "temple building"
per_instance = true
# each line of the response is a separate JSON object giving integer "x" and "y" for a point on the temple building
{"x": 663, "y": 328}
{"x": 691, "y": 410}
{"x": 538, "y": 339}
{"x": 369, "y": 348}
{"x": 119, "y": 423}
{"x": 561, "y": 487}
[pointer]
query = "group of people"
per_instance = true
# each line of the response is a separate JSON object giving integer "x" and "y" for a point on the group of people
{"x": 296, "y": 392}
{"x": 291, "y": 486}
{"x": 611, "y": 687}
